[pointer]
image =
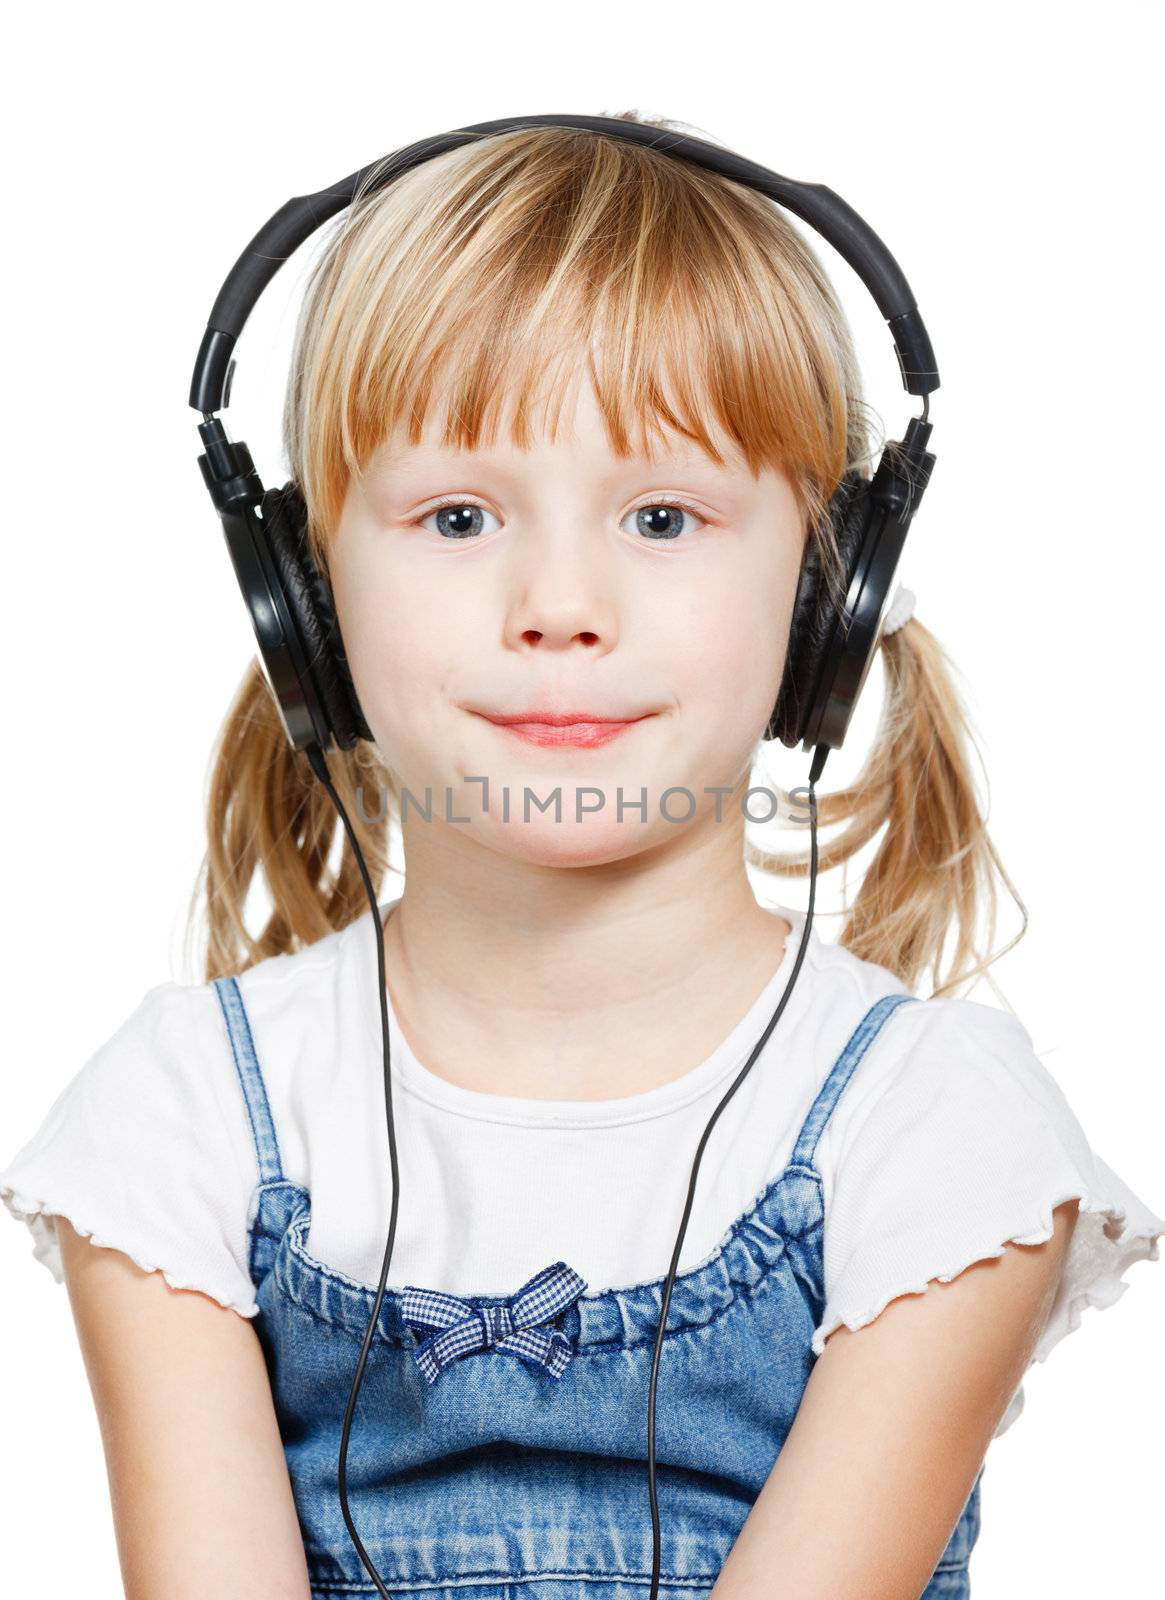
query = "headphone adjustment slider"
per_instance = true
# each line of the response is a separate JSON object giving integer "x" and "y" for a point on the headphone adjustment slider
{"x": 228, "y": 470}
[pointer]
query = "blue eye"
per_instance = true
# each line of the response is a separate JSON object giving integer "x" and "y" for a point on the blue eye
{"x": 660, "y": 520}
{"x": 457, "y": 519}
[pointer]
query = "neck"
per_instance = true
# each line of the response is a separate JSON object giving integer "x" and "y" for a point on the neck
{"x": 589, "y": 983}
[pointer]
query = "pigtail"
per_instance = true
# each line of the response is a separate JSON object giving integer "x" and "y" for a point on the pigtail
{"x": 268, "y": 816}
{"x": 935, "y": 867}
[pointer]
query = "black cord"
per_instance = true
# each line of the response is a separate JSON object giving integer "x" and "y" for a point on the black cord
{"x": 320, "y": 768}
{"x": 814, "y": 774}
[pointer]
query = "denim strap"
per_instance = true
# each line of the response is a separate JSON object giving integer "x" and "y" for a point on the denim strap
{"x": 840, "y": 1073}
{"x": 251, "y": 1079}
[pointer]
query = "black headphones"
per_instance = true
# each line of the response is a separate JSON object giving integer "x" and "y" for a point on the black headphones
{"x": 290, "y": 602}
{"x": 302, "y": 655}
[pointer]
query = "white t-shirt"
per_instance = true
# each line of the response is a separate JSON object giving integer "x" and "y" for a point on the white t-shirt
{"x": 950, "y": 1139}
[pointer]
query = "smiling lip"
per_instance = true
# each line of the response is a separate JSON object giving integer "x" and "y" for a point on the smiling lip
{"x": 584, "y": 729}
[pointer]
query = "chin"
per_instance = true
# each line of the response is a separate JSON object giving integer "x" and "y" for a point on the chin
{"x": 542, "y": 841}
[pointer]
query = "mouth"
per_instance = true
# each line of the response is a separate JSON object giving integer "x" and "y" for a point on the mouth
{"x": 575, "y": 729}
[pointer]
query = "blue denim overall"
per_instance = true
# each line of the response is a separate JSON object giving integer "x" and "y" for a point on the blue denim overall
{"x": 502, "y": 1481}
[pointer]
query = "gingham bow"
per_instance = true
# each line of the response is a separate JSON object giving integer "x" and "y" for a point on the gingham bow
{"x": 516, "y": 1326}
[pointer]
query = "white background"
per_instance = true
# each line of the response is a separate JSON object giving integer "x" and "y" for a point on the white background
{"x": 1009, "y": 158}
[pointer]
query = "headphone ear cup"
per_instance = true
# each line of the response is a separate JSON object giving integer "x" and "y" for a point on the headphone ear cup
{"x": 814, "y": 613}
{"x": 309, "y": 599}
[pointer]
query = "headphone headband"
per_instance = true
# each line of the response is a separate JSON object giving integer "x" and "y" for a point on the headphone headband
{"x": 826, "y": 212}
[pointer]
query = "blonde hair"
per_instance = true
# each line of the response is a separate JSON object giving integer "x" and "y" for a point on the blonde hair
{"x": 699, "y": 308}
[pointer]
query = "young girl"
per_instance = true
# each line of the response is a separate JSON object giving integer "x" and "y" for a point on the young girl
{"x": 566, "y": 413}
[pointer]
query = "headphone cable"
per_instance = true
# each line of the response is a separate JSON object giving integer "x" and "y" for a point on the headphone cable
{"x": 814, "y": 774}
{"x": 320, "y": 768}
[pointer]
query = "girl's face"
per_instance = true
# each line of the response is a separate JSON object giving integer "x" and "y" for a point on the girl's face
{"x": 566, "y": 579}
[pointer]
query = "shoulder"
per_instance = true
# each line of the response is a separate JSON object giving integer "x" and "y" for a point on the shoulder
{"x": 951, "y": 1068}
{"x": 166, "y": 1058}
{"x": 149, "y": 1147}
{"x": 147, "y": 1150}
{"x": 958, "y": 1052}
{"x": 306, "y": 1009}
{"x": 959, "y": 1143}
{"x": 162, "y": 1080}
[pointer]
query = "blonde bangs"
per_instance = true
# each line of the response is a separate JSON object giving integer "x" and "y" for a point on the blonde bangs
{"x": 471, "y": 293}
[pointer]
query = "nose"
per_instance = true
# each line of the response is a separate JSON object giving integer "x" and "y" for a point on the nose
{"x": 563, "y": 594}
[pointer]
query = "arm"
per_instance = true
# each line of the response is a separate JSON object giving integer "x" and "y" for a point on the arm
{"x": 893, "y": 1426}
{"x": 201, "y": 1498}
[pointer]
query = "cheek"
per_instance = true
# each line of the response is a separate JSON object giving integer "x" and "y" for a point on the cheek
{"x": 728, "y": 647}
{"x": 399, "y": 654}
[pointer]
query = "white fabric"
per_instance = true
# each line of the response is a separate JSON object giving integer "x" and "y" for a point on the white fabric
{"x": 950, "y": 1139}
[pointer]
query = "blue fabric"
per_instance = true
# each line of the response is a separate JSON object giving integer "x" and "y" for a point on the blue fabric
{"x": 506, "y": 1480}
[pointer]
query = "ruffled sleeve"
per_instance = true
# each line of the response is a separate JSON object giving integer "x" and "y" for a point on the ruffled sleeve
{"x": 966, "y": 1144}
{"x": 145, "y": 1150}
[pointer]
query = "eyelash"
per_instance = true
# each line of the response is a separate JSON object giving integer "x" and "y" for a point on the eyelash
{"x": 463, "y": 500}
